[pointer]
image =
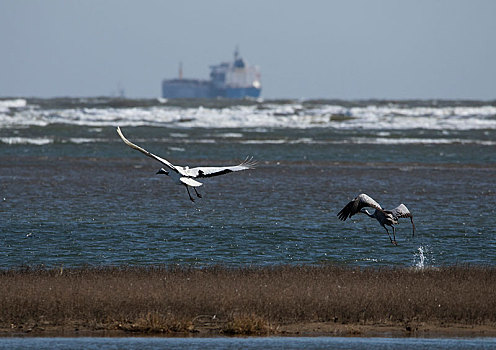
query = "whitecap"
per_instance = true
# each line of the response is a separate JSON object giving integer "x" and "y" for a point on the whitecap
{"x": 177, "y": 134}
{"x": 176, "y": 149}
{"x": 5, "y": 105}
{"x": 293, "y": 115}
{"x": 231, "y": 135}
{"x": 264, "y": 142}
{"x": 422, "y": 141}
{"x": 79, "y": 140}
{"x": 25, "y": 140}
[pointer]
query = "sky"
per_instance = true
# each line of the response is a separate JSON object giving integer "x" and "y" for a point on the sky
{"x": 354, "y": 49}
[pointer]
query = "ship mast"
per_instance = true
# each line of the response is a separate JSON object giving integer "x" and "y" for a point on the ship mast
{"x": 180, "y": 70}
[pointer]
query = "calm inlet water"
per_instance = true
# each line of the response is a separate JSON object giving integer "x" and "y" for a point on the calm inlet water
{"x": 73, "y": 194}
{"x": 247, "y": 343}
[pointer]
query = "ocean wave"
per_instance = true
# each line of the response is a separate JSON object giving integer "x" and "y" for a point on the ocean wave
{"x": 376, "y": 141}
{"x": 40, "y": 141}
{"x": 420, "y": 141}
{"x": 79, "y": 140}
{"x": 26, "y": 140}
{"x": 16, "y": 113}
{"x": 6, "y": 105}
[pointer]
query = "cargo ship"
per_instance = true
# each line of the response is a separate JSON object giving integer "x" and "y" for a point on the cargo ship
{"x": 236, "y": 79}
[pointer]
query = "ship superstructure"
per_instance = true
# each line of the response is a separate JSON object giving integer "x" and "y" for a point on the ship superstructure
{"x": 236, "y": 79}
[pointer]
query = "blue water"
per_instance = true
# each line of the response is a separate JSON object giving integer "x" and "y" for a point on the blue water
{"x": 268, "y": 343}
{"x": 73, "y": 194}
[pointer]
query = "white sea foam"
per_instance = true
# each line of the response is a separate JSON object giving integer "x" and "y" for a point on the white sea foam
{"x": 373, "y": 141}
{"x": 308, "y": 141}
{"x": 176, "y": 149}
{"x": 426, "y": 141}
{"x": 372, "y": 117}
{"x": 25, "y": 140}
{"x": 232, "y": 135}
{"x": 178, "y": 134}
{"x": 6, "y": 105}
{"x": 78, "y": 140}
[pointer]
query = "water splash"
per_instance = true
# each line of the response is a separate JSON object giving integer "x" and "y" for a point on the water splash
{"x": 419, "y": 258}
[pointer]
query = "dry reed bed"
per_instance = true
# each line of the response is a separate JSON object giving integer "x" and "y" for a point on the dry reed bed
{"x": 255, "y": 300}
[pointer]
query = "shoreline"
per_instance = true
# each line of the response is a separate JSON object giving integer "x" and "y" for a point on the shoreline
{"x": 308, "y": 329}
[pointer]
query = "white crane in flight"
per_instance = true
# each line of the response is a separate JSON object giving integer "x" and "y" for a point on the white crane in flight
{"x": 186, "y": 176}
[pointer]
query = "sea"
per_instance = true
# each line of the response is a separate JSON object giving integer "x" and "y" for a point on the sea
{"x": 72, "y": 194}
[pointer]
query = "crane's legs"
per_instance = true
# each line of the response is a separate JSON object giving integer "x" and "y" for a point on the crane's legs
{"x": 392, "y": 241}
{"x": 189, "y": 194}
{"x": 197, "y": 194}
{"x": 394, "y": 235}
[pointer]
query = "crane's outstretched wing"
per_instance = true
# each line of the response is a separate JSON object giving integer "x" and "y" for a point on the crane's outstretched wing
{"x": 142, "y": 150}
{"x": 198, "y": 172}
{"x": 401, "y": 211}
{"x": 354, "y": 206}
{"x": 190, "y": 182}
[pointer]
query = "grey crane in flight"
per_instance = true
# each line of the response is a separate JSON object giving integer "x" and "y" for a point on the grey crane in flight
{"x": 186, "y": 176}
{"x": 385, "y": 217}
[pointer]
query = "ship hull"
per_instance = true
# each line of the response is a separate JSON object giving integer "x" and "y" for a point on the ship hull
{"x": 242, "y": 92}
{"x": 192, "y": 88}
{"x": 186, "y": 88}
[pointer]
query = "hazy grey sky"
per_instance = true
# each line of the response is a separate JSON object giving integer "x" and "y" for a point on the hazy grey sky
{"x": 306, "y": 49}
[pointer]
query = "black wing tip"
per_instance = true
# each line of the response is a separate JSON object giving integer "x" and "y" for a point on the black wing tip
{"x": 202, "y": 174}
{"x": 343, "y": 214}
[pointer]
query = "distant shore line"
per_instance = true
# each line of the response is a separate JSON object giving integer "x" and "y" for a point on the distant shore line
{"x": 224, "y": 301}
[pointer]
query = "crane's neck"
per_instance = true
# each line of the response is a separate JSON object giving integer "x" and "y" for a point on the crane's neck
{"x": 365, "y": 211}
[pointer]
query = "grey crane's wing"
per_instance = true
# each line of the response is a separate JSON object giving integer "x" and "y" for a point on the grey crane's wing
{"x": 149, "y": 154}
{"x": 354, "y": 206}
{"x": 198, "y": 172}
{"x": 401, "y": 211}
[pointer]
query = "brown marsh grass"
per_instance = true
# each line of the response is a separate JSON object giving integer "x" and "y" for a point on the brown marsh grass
{"x": 251, "y": 300}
